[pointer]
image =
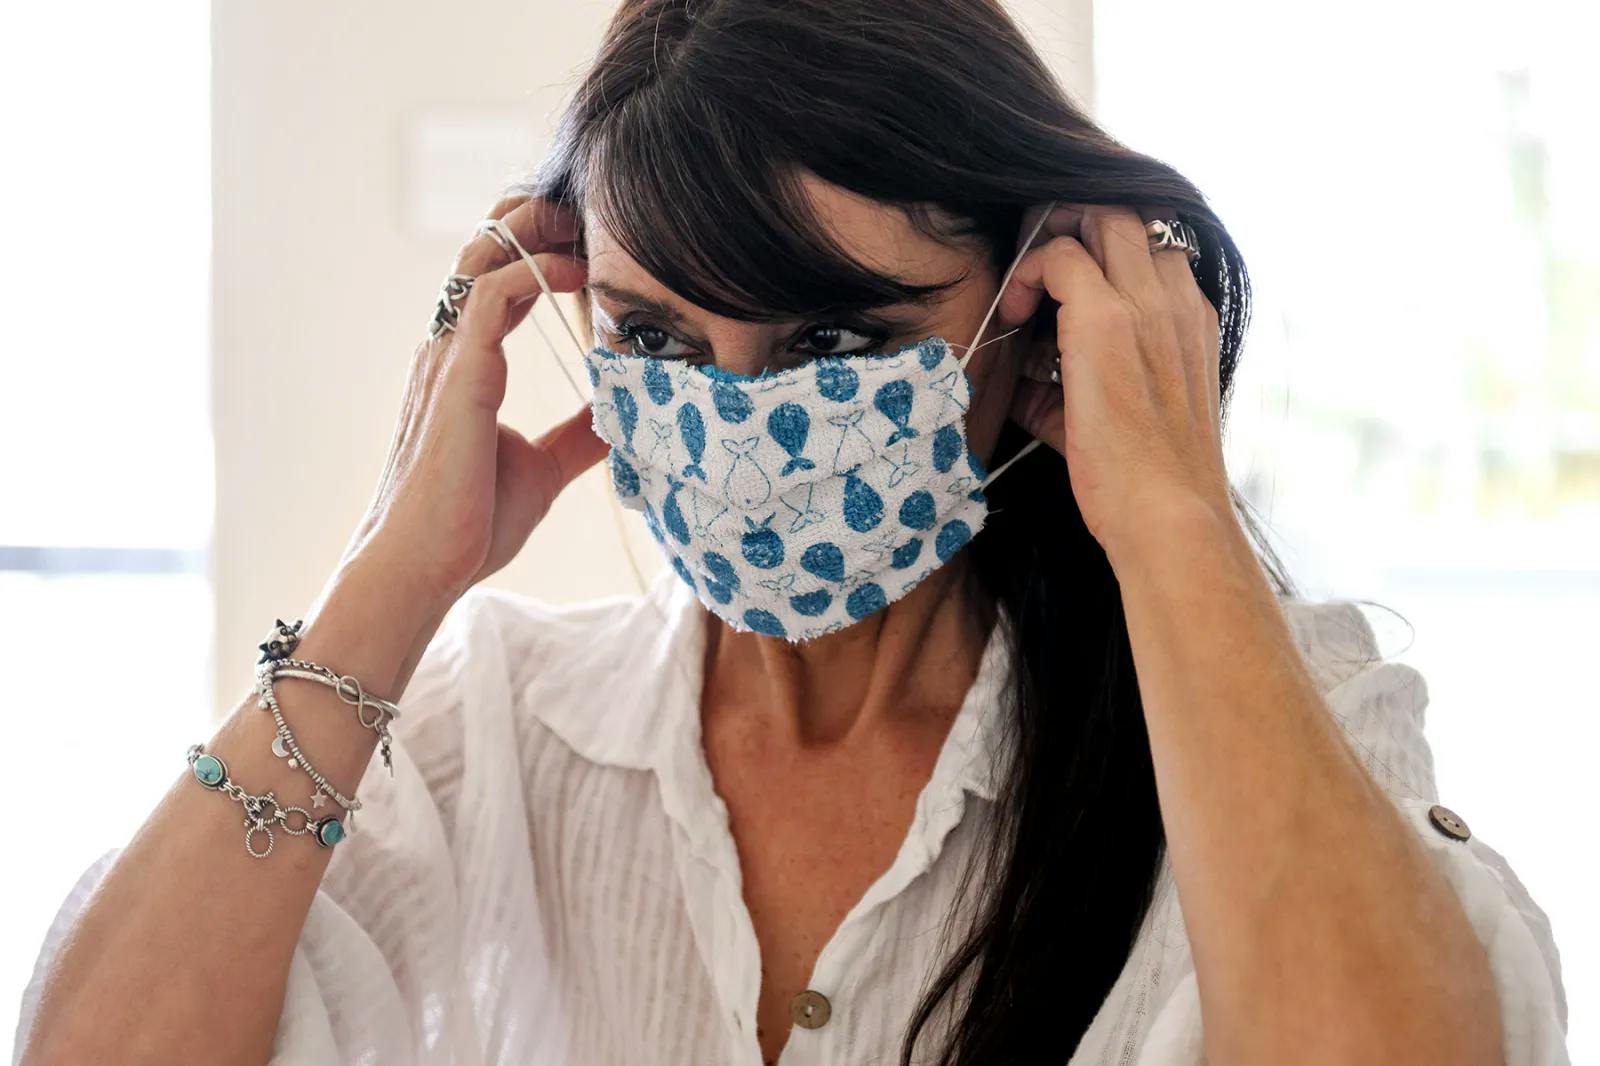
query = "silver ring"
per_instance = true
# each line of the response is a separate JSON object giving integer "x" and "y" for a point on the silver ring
{"x": 490, "y": 227}
{"x": 1173, "y": 233}
{"x": 446, "y": 312}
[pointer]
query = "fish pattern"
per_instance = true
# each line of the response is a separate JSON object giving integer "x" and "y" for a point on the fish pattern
{"x": 692, "y": 428}
{"x": 796, "y": 502}
{"x": 790, "y": 425}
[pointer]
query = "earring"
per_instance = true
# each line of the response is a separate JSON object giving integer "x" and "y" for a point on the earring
{"x": 1055, "y": 370}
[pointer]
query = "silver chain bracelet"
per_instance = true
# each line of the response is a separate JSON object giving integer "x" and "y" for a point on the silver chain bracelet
{"x": 262, "y": 811}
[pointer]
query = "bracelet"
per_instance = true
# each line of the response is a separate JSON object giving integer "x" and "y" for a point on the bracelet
{"x": 349, "y": 690}
{"x": 275, "y": 658}
{"x": 284, "y": 746}
{"x": 275, "y": 661}
{"x": 263, "y": 810}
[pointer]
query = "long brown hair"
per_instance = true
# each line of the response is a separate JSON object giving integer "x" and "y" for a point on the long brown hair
{"x": 685, "y": 138}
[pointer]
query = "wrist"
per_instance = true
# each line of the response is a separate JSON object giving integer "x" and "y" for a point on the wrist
{"x": 1175, "y": 536}
{"x": 371, "y": 623}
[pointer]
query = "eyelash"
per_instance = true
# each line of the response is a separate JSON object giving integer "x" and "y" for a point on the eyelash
{"x": 628, "y": 331}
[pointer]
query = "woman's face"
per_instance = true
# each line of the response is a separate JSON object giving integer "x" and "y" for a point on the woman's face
{"x": 633, "y": 312}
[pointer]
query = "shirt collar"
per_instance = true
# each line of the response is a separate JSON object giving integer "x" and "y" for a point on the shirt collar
{"x": 620, "y": 684}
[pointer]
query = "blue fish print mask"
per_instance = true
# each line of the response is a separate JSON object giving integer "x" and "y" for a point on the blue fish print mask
{"x": 817, "y": 495}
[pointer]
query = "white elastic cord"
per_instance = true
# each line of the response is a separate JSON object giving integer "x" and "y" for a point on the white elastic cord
{"x": 1001, "y": 469}
{"x": 1006, "y": 281}
{"x": 505, "y": 231}
{"x": 1002, "y": 337}
{"x": 1026, "y": 245}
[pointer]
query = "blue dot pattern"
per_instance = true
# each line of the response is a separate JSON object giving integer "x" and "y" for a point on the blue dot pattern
{"x": 799, "y": 501}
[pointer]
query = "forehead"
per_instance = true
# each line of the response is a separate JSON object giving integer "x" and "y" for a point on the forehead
{"x": 881, "y": 237}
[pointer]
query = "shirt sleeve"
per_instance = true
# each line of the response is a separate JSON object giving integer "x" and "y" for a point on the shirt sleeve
{"x": 374, "y": 971}
{"x": 1380, "y": 706}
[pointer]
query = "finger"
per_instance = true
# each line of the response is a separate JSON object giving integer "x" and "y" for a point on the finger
{"x": 571, "y": 447}
{"x": 532, "y": 473}
{"x": 1064, "y": 220}
{"x": 1116, "y": 238}
{"x": 1212, "y": 330}
{"x": 1186, "y": 306}
{"x": 1062, "y": 269}
{"x": 491, "y": 306}
{"x": 537, "y": 223}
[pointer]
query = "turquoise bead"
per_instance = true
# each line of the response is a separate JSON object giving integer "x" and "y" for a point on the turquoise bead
{"x": 330, "y": 831}
{"x": 208, "y": 769}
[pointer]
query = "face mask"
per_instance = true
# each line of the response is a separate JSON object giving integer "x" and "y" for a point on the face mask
{"x": 798, "y": 501}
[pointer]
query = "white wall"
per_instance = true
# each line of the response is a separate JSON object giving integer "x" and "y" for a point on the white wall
{"x": 355, "y": 145}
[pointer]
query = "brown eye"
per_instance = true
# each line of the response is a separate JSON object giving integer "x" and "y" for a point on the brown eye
{"x": 837, "y": 340}
{"x": 650, "y": 341}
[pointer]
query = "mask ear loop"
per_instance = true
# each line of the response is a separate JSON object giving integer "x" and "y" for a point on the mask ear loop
{"x": 995, "y": 306}
{"x": 991, "y": 340}
{"x": 1012, "y": 269}
{"x": 505, "y": 231}
{"x": 533, "y": 265}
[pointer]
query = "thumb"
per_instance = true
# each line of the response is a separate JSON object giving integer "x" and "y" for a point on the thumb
{"x": 533, "y": 472}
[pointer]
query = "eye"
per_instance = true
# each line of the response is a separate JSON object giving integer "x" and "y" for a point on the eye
{"x": 651, "y": 341}
{"x": 833, "y": 339}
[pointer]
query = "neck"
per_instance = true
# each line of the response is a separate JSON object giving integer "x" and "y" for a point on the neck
{"x": 917, "y": 655}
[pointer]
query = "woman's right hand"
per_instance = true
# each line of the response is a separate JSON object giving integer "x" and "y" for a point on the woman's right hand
{"x": 461, "y": 491}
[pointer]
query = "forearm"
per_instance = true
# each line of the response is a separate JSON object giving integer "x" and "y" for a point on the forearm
{"x": 1321, "y": 931}
{"x": 187, "y": 941}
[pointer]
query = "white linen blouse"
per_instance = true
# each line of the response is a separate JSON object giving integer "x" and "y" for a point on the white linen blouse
{"x": 549, "y": 877}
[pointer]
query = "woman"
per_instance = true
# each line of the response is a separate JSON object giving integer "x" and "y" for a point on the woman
{"x": 900, "y": 759}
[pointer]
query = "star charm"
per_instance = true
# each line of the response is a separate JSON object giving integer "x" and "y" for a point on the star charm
{"x": 318, "y": 799}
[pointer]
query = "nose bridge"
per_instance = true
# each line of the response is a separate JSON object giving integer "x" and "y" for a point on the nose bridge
{"x": 742, "y": 347}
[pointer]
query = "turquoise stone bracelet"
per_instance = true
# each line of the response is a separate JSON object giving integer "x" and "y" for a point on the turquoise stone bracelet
{"x": 263, "y": 811}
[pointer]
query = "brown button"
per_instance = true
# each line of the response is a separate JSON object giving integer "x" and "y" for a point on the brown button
{"x": 1448, "y": 822}
{"x": 810, "y": 1009}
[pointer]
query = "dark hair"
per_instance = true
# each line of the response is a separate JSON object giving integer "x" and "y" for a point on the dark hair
{"x": 687, "y": 138}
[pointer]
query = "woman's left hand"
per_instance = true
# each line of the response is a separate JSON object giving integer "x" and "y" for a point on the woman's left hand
{"x": 1137, "y": 412}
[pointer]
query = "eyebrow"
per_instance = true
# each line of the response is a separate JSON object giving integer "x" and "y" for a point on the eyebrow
{"x": 672, "y": 315}
{"x": 638, "y": 299}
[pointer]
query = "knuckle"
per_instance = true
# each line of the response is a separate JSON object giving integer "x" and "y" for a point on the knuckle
{"x": 507, "y": 204}
{"x": 1062, "y": 245}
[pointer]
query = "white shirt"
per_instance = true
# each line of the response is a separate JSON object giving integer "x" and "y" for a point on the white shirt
{"x": 549, "y": 877}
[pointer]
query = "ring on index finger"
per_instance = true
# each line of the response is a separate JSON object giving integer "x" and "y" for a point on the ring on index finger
{"x": 446, "y": 309}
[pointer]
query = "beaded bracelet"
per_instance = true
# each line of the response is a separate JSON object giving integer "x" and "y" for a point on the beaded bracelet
{"x": 263, "y": 810}
{"x": 284, "y": 746}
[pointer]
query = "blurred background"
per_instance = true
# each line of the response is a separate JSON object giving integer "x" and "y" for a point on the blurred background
{"x": 226, "y": 224}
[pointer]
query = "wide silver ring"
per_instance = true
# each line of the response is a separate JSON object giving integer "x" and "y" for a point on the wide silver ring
{"x": 1173, "y": 233}
{"x": 446, "y": 309}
